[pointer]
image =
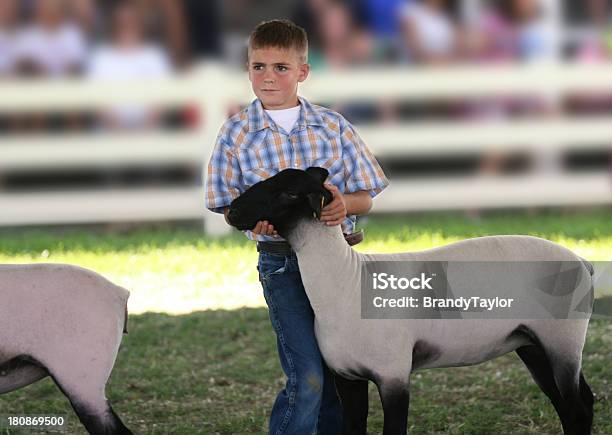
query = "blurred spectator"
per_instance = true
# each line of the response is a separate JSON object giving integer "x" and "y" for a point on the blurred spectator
{"x": 166, "y": 20}
{"x": 428, "y": 31}
{"x": 307, "y": 15}
{"x": 509, "y": 31}
{"x": 596, "y": 46}
{"x": 381, "y": 16}
{"x": 129, "y": 57}
{"x": 382, "y": 20}
{"x": 50, "y": 45}
{"x": 8, "y": 22}
{"x": 512, "y": 30}
{"x": 535, "y": 33}
{"x": 239, "y": 18}
{"x": 343, "y": 41}
{"x": 88, "y": 15}
{"x": 346, "y": 43}
{"x": 203, "y": 28}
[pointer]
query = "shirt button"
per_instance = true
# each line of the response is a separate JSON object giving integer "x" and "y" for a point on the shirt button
{"x": 296, "y": 165}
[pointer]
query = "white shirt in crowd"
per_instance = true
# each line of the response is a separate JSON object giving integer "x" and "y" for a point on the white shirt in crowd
{"x": 140, "y": 63}
{"x": 144, "y": 62}
{"x": 434, "y": 30}
{"x": 285, "y": 118}
{"x": 55, "y": 52}
{"x": 7, "y": 52}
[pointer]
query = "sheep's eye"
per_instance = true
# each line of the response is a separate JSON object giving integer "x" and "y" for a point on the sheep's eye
{"x": 292, "y": 196}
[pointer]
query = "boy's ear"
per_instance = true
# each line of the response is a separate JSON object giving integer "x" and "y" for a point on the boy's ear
{"x": 304, "y": 70}
{"x": 320, "y": 174}
{"x": 249, "y": 71}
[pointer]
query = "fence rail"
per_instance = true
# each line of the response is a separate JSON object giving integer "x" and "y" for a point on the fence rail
{"x": 211, "y": 89}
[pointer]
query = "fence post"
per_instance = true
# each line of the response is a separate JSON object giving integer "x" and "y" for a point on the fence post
{"x": 212, "y": 106}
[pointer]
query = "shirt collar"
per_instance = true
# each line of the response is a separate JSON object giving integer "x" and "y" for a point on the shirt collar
{"x": 308, "y": 114}
{"x": 259, "y": 119}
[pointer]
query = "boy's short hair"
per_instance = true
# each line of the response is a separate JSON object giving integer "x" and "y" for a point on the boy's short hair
{"x": 282, "y": 34}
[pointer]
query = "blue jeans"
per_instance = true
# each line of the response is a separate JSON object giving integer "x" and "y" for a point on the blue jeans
{"x": 309, "y": 402}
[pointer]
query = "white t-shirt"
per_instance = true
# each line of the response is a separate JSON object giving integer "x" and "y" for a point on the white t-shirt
{"x": 285, "y": 118}
{"x": 434, "y": 30}
{"x": 146, "y": 62}
{"x": 536, "y": 41}
{"x": 142, "y": 63}
{"x": 55, "y": 52}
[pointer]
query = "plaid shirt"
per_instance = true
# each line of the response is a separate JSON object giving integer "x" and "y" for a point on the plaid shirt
{"x": 250, "y": 148}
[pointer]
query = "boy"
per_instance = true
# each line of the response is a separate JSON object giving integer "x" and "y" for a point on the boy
{"x": 280, "y": 130}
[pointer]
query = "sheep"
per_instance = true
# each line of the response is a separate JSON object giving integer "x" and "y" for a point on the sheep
{"x": 66, "y": 322}
{"x": 359, "y": 350}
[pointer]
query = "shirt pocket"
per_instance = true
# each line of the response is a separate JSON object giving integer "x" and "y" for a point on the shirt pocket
{"x": 325, "y": 151}
{"x": 262, "y": 159}
{"x": 334, "y": 165}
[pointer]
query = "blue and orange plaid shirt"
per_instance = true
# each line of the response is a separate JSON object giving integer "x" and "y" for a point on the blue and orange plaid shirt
{"x": 250, "y": 148}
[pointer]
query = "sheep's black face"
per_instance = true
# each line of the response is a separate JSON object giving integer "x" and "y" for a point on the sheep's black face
{"x": 282, "y": 200}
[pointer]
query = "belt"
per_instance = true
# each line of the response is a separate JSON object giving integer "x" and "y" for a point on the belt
{"x": 284, "y": 248}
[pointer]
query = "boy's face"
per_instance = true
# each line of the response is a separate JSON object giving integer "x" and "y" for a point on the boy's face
{"x": 274, "y": 74}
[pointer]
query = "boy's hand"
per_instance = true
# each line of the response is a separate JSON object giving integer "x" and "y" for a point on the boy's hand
{"x": 264, "y": 228}
{"x": 334, "y": 213}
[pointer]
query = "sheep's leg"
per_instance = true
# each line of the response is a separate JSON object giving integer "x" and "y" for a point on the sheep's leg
{"x": 577, "y": 398}
{"x": 588, "y": 400}
{"x": 19, "y": 372}
{"x": 564, "y": 385}
{"x": 537, "y": 362}
{"x": 89, "y": 402}
{"x": 81, "y": 374}
{"x": 354, "y": 398}
{"x": 395, "y": 397}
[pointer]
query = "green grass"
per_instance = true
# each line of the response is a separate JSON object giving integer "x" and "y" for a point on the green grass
{"x": 217, "y": 371}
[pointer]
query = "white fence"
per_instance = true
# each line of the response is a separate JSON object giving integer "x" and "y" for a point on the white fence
{"x": 212, "y": 89}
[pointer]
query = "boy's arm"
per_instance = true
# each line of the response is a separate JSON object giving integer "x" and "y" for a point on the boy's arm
{"x": 364, "y": 181}
{"x": 359, "y": 202}
{"x": 362, "y": 168}
{"x": 356, "y": 203}
{"x": 223, "y": 176}
{"x": 223, "y": 182}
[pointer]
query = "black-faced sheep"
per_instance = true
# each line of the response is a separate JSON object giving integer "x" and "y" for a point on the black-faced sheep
{"x": 387, "y": 351}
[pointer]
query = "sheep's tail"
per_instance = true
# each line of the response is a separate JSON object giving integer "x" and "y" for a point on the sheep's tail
{"x": 589, "y": 266}
{"x": 126, "y": 296}
{"x": 125, "y": 320}
{"x": 591, "y": 295}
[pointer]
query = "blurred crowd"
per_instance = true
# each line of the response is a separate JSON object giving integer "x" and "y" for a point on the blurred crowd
{"x": 426, "y": 31}
{"x": 154, "y": 37}
{"x": 137, "y": 39}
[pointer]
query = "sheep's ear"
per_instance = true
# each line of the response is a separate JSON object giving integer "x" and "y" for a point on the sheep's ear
{"x": 315, "y": 200}
{"x": 320, "y": 174}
